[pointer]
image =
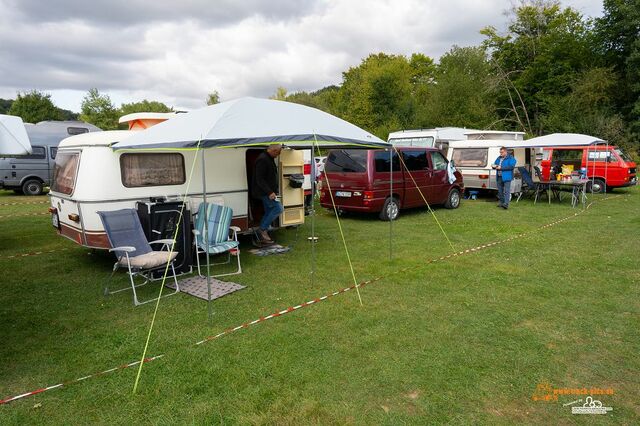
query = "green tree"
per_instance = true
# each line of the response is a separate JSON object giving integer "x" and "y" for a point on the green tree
{"x": 545, "y": 49}
{"x": 323, "y": 99}
{"x": 377, "y": 95}
{"x": 618, "y": 34}
{"x": 589, "y": 108}
{"x": 5, "y": 104}
{"x": 213, "y": 98}
{"x": 462, "y": 94}
{"x": 144, "y": 106}
{"x": 98, "y": 109}
{"x": 280, "y": 95}
{"x": 34, "y": 106}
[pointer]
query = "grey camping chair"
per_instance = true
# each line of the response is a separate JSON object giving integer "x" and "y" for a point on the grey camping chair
{"x": 530, "y": 187}
{"x": 133, "y": 251}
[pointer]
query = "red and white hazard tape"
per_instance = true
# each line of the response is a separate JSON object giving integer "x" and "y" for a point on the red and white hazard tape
{"x": 35, "y": 253}
{"x": 344, "y": 290}
{"x": 79, "y": 379}
{"x": 285, "y": 311}
{"x": 23, "y": 214}
{"x": 24, "y": 204}
{"x": 293, "y": 308}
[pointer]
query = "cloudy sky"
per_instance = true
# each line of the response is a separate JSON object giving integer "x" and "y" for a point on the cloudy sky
{"x": 178, "y": 51}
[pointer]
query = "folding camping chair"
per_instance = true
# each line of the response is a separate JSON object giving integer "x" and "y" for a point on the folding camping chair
{"x": 223, "y": 238}
{"x": 134, "y": 252}
{"x": 531, "y": 187}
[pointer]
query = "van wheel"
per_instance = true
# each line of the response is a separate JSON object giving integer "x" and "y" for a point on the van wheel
{"x": 390, "y": 209}
{"x": 596, "y": 187}
{"x": 32, "y": 187}
{"x": 453, "y": 200}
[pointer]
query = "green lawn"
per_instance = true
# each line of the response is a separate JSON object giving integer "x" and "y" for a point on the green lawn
{"x": 465, "y": 340}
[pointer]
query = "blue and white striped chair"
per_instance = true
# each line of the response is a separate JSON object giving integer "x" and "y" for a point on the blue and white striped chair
{"x": 223, "y": 238}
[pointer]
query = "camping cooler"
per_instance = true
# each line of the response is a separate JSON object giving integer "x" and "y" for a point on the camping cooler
{"x": 159, "y": 221}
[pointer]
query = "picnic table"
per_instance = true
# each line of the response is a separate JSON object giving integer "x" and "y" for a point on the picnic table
{"x": 578, "y": 190}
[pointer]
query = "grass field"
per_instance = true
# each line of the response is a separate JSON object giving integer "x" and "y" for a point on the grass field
{"x": 464, "y": 340}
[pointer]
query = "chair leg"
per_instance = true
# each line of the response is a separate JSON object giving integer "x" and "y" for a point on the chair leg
{"x": 115, "y": 268}
{"x": 198, "y": 261}
{"x": 238, "y": 271}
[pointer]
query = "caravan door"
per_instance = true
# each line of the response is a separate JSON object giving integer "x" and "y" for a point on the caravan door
{"x": 291, "y": 162}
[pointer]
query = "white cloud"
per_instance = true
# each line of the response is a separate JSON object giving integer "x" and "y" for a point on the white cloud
{"x": 178, "y": 56}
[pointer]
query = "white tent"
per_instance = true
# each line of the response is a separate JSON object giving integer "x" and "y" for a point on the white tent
{"x": 251, "y": 121}
{"x": 13, "y": 136}
{"x": 559, "y": 139}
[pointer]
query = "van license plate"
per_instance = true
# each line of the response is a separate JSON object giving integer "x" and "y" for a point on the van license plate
{"x": 344, "y": 194}
{"x": 54, "y": 220}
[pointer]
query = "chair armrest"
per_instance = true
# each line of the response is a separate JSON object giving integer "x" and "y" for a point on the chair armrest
{"x": 167, "y": 241}
{"x": 196, "y": 232}
{"x": 126, "y": 249}
{"x": 235, "y": 228}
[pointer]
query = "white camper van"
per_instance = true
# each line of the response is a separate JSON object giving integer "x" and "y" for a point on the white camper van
{"x": 474, "y": 156}
{"x": 89, "y": 177}
{"x": 438, "y": 137}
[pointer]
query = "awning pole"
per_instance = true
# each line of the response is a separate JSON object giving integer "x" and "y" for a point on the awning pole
{"x": 206, "y": 235}
{"x": 607, "y": 155}
{"x": 391, "y": 198}
{"x": 313, "y": 214}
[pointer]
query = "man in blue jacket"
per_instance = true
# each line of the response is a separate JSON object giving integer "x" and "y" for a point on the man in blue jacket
{"x": 504, "y": 166}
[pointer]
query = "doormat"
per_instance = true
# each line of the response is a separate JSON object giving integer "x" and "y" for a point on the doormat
{"x": 197, "y": 286}
{"x": 272, "y": 249}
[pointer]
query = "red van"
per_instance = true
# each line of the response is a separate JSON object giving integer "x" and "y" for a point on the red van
{"x": 361, "y": 180}
{"x": 608, "y": 167}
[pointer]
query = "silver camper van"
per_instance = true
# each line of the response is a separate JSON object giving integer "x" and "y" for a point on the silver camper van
{"x": 29, "y": 174}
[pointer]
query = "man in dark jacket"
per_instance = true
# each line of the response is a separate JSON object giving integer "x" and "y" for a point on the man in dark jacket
{"x": 504, "y": 166}
{"x": 264, "y": 186}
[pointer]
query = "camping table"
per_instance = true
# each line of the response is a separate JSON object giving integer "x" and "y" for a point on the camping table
{"x": 578, "y": 190}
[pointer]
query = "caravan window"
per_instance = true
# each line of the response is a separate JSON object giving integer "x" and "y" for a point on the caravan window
{"x": 470, "y": 157}
{"x": 157, "y": 169}
{"x": 64, "y": 172}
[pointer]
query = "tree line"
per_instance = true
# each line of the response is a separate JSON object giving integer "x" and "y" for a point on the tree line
{"x": 552, "y": 70}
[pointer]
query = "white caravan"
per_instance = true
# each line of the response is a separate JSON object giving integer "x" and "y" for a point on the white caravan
{"x": 474, "y": 156}
{"x": 89, "y": 176}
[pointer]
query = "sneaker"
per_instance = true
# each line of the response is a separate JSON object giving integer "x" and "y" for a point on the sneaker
{"x": 504, "y": 207}
{"x": 499, "y": 205}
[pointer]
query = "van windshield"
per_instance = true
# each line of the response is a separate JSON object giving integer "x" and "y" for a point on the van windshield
{"x": 625, "y": 157}
{"x": 64, "y": 172}
{"x": 347, "y": 161}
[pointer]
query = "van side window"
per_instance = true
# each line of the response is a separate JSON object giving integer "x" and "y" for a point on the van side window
{"x": 37, "y": 153}
{"x": 381, "y": 159}
{"x": 152, "y": 169}
{"x": 438, "y": 161}
{"x": 600, "y": 156}
{"x": 470, "y": 157}
{"x": 415, "y": 160}
{"x": 347, "y": 161}
{"x": 567, "y": 155}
